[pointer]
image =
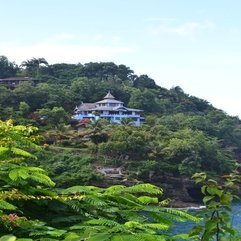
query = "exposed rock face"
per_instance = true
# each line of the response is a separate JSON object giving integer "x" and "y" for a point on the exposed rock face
{"x": 183, "y": 192}
{"x": 176, "y": 188}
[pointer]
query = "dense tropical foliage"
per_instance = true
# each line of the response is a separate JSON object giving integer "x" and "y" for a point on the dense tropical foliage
{"x": 181, "y": 135}
{"x": 31, "y": 208}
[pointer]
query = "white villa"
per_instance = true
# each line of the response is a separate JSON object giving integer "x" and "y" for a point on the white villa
{"x": 109, "y": 108}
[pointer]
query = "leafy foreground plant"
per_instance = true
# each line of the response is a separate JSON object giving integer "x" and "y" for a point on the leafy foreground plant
{"x": 218, "y": 200}
{"x": 31, "y": 209}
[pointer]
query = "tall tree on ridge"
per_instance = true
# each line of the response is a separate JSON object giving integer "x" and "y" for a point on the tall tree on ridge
{"x": 7, "y": 68}
{"x": 32, "y": 66}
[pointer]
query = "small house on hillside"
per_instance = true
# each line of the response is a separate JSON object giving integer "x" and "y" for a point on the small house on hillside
{"x": 110, "y": 109}
{"x": 14, "y": 81}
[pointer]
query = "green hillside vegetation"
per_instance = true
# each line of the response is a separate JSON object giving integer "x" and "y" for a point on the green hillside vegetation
{"x": 31, "y": 208}
{"x": 181, "y": 135}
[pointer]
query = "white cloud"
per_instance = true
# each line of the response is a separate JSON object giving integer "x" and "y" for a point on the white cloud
{"x": 183, "y": 29}
{"x": 68, "y": 53}
{"x": 69, "y": 48}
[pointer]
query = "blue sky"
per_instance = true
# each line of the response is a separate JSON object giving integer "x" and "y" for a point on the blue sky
{"x": 192, "y": 44}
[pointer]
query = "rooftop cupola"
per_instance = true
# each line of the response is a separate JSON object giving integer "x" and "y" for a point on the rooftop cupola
{"x": 109, "y": 96}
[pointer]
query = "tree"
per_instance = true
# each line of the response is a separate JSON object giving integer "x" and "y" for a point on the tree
{"x": 6, "y": 97}
{"x": 218, "y": 198}
{"x": 126, "y": 141}
{"x": 63, "y": 73}
{"x": 32, "y": 66}
{"x": 194, "y": 152}
{"x": 54, "y": 117}
{"x": 7, "y": 68}
{"x": 34, "y": 96}
{"x": 23, "y": 109}
{"x": 124, "y": 73}
{"x": 144, "y": 100}
{"x": 143, "y": 81}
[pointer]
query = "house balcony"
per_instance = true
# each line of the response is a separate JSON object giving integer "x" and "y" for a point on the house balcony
{"x": 83, "y": 116}
{"x": 114, "y": 118}
{"x": 119, "y": 115}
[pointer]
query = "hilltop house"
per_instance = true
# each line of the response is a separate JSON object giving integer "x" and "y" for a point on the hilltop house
{"x": 109, "y": 108}
{"x": 14, "y": 81}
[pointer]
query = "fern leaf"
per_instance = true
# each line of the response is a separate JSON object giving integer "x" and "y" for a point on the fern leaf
{"x": 124, "y": 237}
{"x": 74, "y": 205}
{"x": 183, "y": 236}
{"x": 72, "y": 237}
{"x": 133, "y": 216}
{"x": 180, "y": 216}
{"x": 137, "y": 237}
{"x": 3, "y": 150}
{"x": 157, "y": 226}
{"x": 36, "y": 169}
{"x": 110, "y": 209}
{"x": 103, "y": 222}
{"x": 100, "y": 237}
{"x": 150, "y": 237}
{"x": 7, "y": 206}
{"x": 153, "y": 208}
{"x": 144, "y": 188}
{"x": 114, "y": 189}
{"x": 21, "y": 152}
{"x": 133, "y": 224}
{"x": 129, "y": 201}
{"x": 56, "y": 233}
{"x": 148, "y": 200}
{"x": 43, "y": 179}
{"x": 158, "y": 217}
{"x": 80, "y": 189}
{"x": 95, "y": 201}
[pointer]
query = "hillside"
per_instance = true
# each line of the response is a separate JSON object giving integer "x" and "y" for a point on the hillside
{"x": 181, "y": 135}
